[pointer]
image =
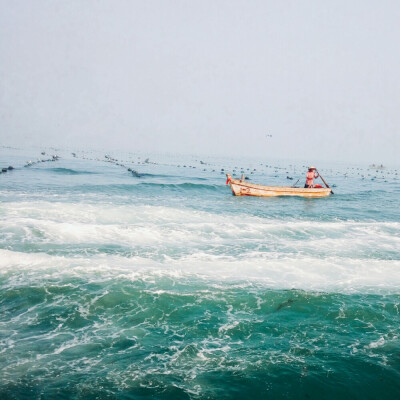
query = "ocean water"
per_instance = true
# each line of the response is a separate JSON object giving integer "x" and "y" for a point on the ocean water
{"x": 161, "y": 284}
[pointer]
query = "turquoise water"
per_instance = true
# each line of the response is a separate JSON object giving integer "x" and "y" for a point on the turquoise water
{"x": 161, "y": 284}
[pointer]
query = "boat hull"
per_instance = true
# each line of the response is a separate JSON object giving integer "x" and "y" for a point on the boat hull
{"x": 241, "y": 188}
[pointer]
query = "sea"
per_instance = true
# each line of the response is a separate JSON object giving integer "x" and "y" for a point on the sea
{"x": 126, "y": 275}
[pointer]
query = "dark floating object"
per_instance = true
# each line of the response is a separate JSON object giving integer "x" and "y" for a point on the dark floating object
{"x": 4, "y": 169}
{"x": 30, "y": 163}
{"x": 284, "y": 304}
{"x": 43, "y": 153}
{"x": 10, "y": 168}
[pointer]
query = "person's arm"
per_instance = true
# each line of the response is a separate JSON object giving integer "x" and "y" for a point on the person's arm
{"x": 316, "y": 175}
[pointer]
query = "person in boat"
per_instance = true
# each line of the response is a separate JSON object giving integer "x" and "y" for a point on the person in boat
{"x": 311, "y": 175}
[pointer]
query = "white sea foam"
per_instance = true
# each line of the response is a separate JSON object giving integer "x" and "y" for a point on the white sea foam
{"x": 171, "y": 228}
{"x": 346, "y": 275}
{"x": 378, "y": 343}
{"x": 158, "y": 240}
{"x": 228, "y": 326}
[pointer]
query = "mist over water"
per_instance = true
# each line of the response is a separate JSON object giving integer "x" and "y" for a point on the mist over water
{"x": 158, "y": 283}
{"x": 282, "y": 79}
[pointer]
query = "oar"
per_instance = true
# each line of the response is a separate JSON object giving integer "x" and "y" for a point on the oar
{"x": 295, "y": 183}
{"x": 323, "y": 180}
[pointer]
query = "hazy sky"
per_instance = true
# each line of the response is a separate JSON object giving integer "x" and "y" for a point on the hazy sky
{"x": 321, "y": 77}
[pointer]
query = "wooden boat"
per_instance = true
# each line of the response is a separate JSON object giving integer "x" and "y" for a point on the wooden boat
{"x": 241, "y": 188}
